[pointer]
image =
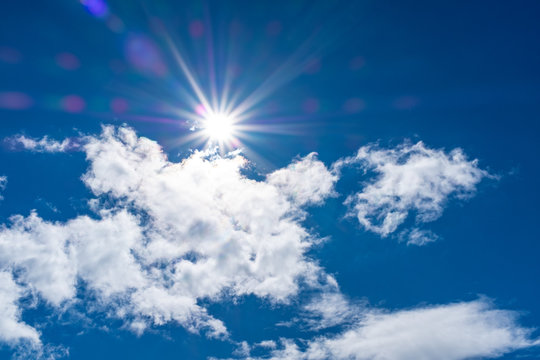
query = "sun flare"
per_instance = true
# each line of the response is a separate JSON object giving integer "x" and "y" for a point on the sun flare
{"x": 218, "y": 127}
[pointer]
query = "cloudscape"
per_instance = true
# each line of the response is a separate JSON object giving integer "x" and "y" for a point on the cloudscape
{"x": 274, "y": 180}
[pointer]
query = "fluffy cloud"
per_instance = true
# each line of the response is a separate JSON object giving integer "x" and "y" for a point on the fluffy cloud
{"x": 220, "y": 229}
{"x": 12, "y": 329}
{"x": 447, "y": 332}
{"x": 306, "y": 181}
{"x": 44, "y": 144}
{"x": 166, "y": 235}
{"x": 411, "y": 178}
{"x": 36, "y": 251}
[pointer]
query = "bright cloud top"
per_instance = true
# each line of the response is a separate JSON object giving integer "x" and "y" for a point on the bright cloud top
{"x": 411, "y": 178}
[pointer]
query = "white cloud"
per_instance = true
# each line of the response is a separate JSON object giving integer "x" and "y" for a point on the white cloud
{"x": 418, "y": 236}
{"x": 181, "y": 234}
{"x": 329, "y": 309}
{"x": 224, "y": 230}
{"x": 268, "y": 344}
{"x": 37, "y": 251}
{"x": 411, "y": 178}
{"x": 306, "y": 181}
{"x": 447, "y": 332}
{"x": 177, "y": 233}
{"x": 45, "y": 144}
{"x": 12, "y": 329}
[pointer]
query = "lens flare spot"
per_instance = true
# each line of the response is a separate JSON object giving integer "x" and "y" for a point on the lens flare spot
{"x": 73, "y": 103}
{"x": 67, "y": 61}
{"x": 97, "y": 8}
{"x": 119, "y": 105}
{"x": 12, "y": 100}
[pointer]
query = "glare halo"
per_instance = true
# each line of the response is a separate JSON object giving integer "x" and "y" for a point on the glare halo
{"x": 218, "y": 127}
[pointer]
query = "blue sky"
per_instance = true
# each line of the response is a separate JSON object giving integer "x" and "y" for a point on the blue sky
{"x": 269, "y": 180}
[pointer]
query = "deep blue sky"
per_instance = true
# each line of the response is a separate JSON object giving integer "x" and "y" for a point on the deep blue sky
{"x": 453, "y": 74}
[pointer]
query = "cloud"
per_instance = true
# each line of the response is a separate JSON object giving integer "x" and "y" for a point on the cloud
{"x": 3, "y": 184}
{"x": 411, "y": 179}
{"x": 306, "y": 181}
{"x": 167, "y": 235}
{"x": 36, "y": 250}
{"x": 12, "y": 329}
{"x": 269, "y": 344}
{"x": 45, "y": 144}
{"x": 447, "y": 332}
{"x": 224, "y": 231}
{"x": 328, "y": 309}
{"x": 418, "y": 236}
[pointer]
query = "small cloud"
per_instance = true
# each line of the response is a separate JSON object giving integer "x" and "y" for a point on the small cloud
{"x": 410, "y": 178}
{"x": 45, "y": 144}
{"x": 418, "y": 237}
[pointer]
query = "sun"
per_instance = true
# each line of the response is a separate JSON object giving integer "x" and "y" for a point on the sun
{"x": 218, "y": 127}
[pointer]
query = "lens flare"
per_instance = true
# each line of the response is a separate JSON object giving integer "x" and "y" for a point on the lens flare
{"x": 218, "y": 127}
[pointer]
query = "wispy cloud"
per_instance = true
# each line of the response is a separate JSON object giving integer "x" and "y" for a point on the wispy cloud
{"x": 3, "y": 184}
{"x": 44, "y": 144}
{"x": 328, "y": 309}
{"x": 455, "y": 331}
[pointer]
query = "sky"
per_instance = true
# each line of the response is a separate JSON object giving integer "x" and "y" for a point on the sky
{"x": 269, "y": 180}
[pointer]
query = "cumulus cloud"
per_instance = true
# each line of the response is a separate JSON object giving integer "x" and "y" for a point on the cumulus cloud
{"x": 448, "y": 332}
{"x": 175, "y": 234}
{"x": 36, "y": 250}
{"x": 167, "y": 237}
{"x": 306, "y": 181}
{"x": 225, "y": 230}
{"x": 44, "y": 145}
{"x": 411, "y": 179}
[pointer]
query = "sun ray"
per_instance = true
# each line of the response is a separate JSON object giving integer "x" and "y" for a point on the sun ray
{"x": 187, "y": 72}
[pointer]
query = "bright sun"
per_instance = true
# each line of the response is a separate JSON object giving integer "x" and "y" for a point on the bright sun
{"x": 218, "y": 127}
